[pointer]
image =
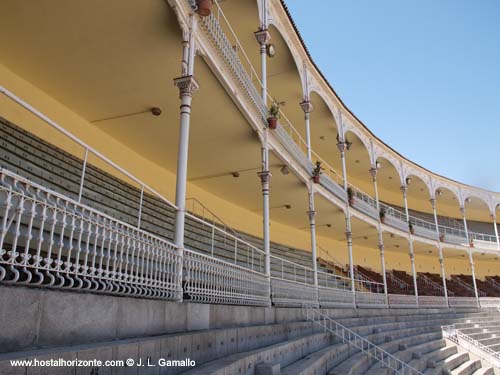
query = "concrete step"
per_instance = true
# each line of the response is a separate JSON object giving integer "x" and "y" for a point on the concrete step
{"x": 484, "y": 371}
{"x": 448, "y": 364}
{"x": 467, "y": 368}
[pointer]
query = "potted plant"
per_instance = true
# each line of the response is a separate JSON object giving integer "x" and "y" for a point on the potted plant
{"x": 471, "y": 242}
{"x": 382, "y": 214}
{"x": 350, "y": 196}
{"x": 412, "y": 228}
{"x": 204, "y": 7}
{"x": 441, "y": 237}
{"x": 317, "y": 171}
{"x": 274, "y": 115}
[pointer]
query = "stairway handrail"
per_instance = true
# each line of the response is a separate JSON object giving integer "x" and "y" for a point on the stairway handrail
{"x": 367, "y": 347}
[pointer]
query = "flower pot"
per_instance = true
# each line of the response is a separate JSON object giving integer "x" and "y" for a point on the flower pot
{"x": 382, "y": 219}
{"x": 272, "y": 122}
{"x": 412, "y": 230}
{"x": 316, "y": 179}
{"x": 351, "y": 201}
{"x": 204, "y": 7}
{"x": 441, "y": 237}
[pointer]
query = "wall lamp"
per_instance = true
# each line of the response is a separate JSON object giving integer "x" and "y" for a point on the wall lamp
{"x": 378, "y": 165}
{"x": 408, "y": 180}
{"x": 284, "y": 170}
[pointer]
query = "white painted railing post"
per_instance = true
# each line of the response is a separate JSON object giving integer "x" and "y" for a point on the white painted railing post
{"x": 471, "y": 260}
{"x": 342, "y": 148}
{"x": 187, "y": 85}
{"x": 404, "y": 190}
{"x": 263, "y": 38}
{"x": 440, "y": 249}
{"x": 373, "y": 173}
{"x": 141, "y": 202}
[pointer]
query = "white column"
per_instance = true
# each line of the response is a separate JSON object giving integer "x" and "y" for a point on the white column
{"x": 312, "y": 224}
{"x": 373, "y": 173}
{"x": 404, "y": 190}
{"x": 307, "y": 108}
{"x": 471, "y": 259}
{"x": 187, "y": 85}
{"x": 440, "y": 249}
{"x": 263, "y": 38}
{"x": 348, "y": 233}
{"x": 496, "y": 230}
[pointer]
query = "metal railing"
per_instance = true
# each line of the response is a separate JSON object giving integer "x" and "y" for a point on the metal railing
{"x": 365, "y": 346}
{"x": 211, "y": 280}
{"x": 453, "y": 334}
{"x": 434, "y": 285}
{"x": 465, "y": 285}
{"x": 50, "y": 240}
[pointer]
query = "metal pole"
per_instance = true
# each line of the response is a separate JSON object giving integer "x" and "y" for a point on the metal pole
{"x": 342, "y": 147}
{"x": 139, "y": 215}
{"x": 263, "y": 38}
{"x": 404, "y": 190}
{"x": 496, "y": 230}
{"x": 471, "y": 260}
{"x": 312, "y": 223}
{"x": 373, "y": 172}
{"x": 307, "y": 108}
{"x": 440, "y": 249}
{"x": 84, "y": 168}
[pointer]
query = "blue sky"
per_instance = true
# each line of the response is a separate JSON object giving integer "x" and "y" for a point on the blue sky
{"x": 423, "y": 75}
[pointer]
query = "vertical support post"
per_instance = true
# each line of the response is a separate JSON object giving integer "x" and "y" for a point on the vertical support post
{"x": 82, "y": 179}
{"x": 307, "y": 108}
{"x": 440, "y": 249}
{"x": 263, "y": 38}
{"x": 404, "y": 190}
{"x": 312, "y": 224}
{"x": 187, "y": 85}
{"x": 342, "y": 146}
{"x": 471, "y": 259}
{"x": 373, "y": 173}
{"x": 494, "y": 218}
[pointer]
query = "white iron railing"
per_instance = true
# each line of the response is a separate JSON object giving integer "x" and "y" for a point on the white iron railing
{"x": 366, "y": 347}
{"x": 451, "y": 333}
{"x": 396, "y": 281}
{"x": 49, "y": 240}
{"x": 211, "y": 280}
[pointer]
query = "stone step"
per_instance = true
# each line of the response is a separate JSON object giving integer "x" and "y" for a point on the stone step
{"x": 485, "y": 371}
{"x": 448, "y": 364}
{"x": 467, "y": 368}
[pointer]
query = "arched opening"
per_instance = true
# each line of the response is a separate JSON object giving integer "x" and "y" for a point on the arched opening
{"x": 358, "y": 163}
{"x": 389, "y": 183}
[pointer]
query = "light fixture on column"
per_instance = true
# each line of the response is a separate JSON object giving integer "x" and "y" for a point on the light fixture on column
{"x": 439, "y": 192}
{"x": 408, "y": 180}
{"x": 378, "y": 165}
{"x": 271, "y": 50}
{"x": 467, "y": 200}
{"x": 284, "y": 170}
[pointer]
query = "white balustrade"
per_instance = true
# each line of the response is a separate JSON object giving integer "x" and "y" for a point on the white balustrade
{"x": 49, "y": 240}
{"x": 292, "y": 294}
{"x": 432, "y": 301}
{"x": 211, "y": 280}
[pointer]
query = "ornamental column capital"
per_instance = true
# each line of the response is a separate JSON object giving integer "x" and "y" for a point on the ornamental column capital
{"x": 462, "y": 210}
{"x": 404, "y": 189}
{"x": 187, "y": 85}
{"x": 265, "y": 176}
{"x": 373, "y": 172}
{"x": 341, "y": 146}
{"x": 263, "y": 36}
{"x": 306, "y": 106}
{"x": 433, "y": 202}
{"x": 312, "y": 215}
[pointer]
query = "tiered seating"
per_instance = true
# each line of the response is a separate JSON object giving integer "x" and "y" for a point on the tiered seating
{"x": 483, "y": 287}
{"x": 377, "y": 277}
{"x": 451, "y": 285}
{"x": 408, "y": 335}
